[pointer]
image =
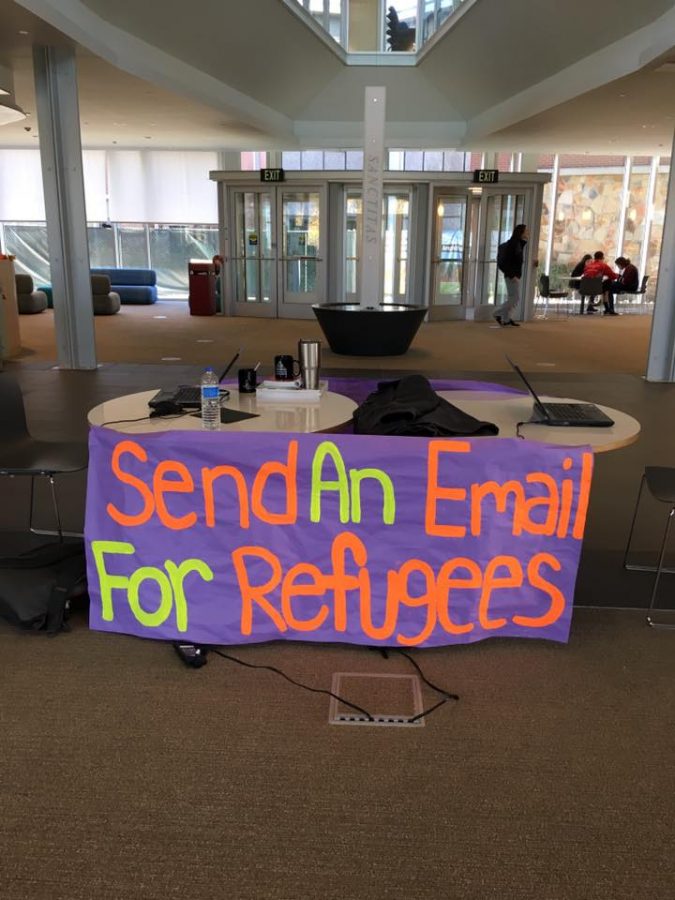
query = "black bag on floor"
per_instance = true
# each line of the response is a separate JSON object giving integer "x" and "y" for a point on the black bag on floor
{"x": 37, "y": 586}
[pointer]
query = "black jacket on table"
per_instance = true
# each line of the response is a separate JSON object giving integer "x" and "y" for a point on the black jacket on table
{"x": 510, "y": 257}
{"x": 410, "y": 406}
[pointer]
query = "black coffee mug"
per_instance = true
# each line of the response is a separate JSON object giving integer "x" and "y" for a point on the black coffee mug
{"x": 247, "y": 381}
{"x": 284, "y": 366}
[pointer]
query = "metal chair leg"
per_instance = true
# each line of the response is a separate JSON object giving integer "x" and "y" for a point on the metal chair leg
{"x": 32, "y": 495}
{"x": 56, "y": 507}
{"x": 659, "y": 571}
{"x": 632, "y": 524}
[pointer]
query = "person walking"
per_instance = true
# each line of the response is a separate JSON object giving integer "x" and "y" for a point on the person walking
{"x": 510, "y": 264}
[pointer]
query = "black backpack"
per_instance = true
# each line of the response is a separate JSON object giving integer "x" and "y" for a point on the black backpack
{"x": 36, "y": 587}
{"x": 503, "y": 255}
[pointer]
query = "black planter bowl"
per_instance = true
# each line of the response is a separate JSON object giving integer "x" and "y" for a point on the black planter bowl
{"x": 384, "y": 330}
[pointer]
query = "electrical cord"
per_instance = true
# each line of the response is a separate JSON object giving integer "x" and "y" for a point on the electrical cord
{"x": 446, "y": 695}
{"x": 292, "y": 681}
{"x": 152, "y": 415}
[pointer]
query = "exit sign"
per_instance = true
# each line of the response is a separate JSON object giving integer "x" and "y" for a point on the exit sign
{"x": 272, "y": 175}
{"x": 486, "y": 176}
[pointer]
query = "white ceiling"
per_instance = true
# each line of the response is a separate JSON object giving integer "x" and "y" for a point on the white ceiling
{"x": 527, "y": 75}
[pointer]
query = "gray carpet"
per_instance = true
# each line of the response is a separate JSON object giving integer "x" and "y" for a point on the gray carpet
{"x": 127, "y": 775}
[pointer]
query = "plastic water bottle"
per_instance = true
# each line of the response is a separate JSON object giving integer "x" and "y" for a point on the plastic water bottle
{"x": 210, "y": 400}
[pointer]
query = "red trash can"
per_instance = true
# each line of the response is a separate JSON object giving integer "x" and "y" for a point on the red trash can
{"x": 202, "y": 287}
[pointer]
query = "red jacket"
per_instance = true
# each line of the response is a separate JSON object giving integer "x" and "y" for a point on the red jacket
{"x": 595, "y": 268}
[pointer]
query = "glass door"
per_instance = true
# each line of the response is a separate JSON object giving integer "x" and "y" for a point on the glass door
{"x": 353, "y": 225}
{"x": 302, "y": 272}
{"x": 254, "y": 257}
{"x": 499, "y": 214}
{"x": 276, "y": 267}
{"x": 449, "y": 252}
{"x": 396, "y": 231}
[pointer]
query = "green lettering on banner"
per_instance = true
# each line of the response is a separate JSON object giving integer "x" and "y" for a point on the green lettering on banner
{"x": 170, "y": 583}
{"x": 341, "y": 485}
{"x": 388, "y": 496}
{"x": 106, "y": 581}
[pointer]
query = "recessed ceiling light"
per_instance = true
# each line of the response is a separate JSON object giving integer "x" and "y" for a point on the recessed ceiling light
{"x": 622, "y": 95}
{"x": 643, "y": 126}
{"x": 24, "y": 33}
{"x": 148, "y": 137}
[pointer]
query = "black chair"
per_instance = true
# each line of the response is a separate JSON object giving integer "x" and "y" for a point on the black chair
{"x": 642, "y": 290}
{"x": 546, "y": 294}
{"x": 589, "y": 287}
{"x": 22, "y": 454}
{"x": 660, "y": 482}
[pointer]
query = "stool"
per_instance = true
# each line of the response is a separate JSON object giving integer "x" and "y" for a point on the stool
{"x": 660, "y": 481}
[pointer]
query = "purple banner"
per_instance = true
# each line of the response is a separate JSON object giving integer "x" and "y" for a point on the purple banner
{"x": 229, "y": 538}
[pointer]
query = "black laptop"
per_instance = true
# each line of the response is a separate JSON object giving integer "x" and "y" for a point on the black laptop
{"x": 580, "y": 415}
{"x": 189, "y": 396}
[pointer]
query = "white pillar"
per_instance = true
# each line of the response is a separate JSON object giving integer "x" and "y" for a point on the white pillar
{"x": 373, "y": 166}
{"x": 661, "y": 358}
{"x": 61, "y": 154}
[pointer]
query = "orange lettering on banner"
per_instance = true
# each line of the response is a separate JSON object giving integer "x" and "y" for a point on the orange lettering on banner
{"x": 584, "y": 492}
{"x": 209, "y": 477}
{"x": 500, "y": 492}
{"x": 551, "y": 502}
{"x": 162, "y": 485}
{"x": 436, "y": 493}
{"x": 446, "y": 582}
{"x": 384, "y": 631}
{"x": 148, "y": 504}
{"x": 490, "y": 582}
{"x": 399, "y": 582}
{"x": 290, "y": 589}
{"x": 537, "y": 581}
{"x": 342, "y": 582}
{"x": 289, "y": 473}
{"x": 255, "y": 593}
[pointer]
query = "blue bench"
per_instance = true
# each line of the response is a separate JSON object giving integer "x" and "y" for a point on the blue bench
{"x": 133, "y": 285}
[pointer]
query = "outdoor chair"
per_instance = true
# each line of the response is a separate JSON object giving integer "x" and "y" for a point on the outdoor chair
{"x": 22, "y": 454}
{"x": 589, "y": 287}
{"x": 660, "y": 482}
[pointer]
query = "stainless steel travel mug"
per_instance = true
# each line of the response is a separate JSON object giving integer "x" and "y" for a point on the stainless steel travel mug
{"x": 309, "y": 355}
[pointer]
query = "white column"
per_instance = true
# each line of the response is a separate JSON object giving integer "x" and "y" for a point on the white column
{"x": 61, "y": 153}
{"x": 373, "y": 165}
{"x": 661, "y": 358}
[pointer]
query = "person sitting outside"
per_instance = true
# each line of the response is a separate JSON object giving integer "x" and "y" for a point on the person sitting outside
{"x": 598, "y": 268}
{"x": 627, "y": 283}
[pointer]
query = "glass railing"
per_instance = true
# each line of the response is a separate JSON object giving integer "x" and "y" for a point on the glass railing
{"x": 382, "y": 26}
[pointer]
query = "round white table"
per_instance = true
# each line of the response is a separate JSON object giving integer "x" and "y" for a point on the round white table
{"x": 328, "y": 413}
{"x": 507, "y": 410}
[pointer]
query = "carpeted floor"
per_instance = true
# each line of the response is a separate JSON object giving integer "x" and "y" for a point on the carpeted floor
{"x": 127, "y": 775}
{"x": 124, "y": 774}
{"x": 574, "y": 344}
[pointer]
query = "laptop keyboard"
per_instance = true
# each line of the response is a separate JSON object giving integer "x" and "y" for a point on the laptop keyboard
{"x": 570, "y": 412}
{"x": 188, "y": 393}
